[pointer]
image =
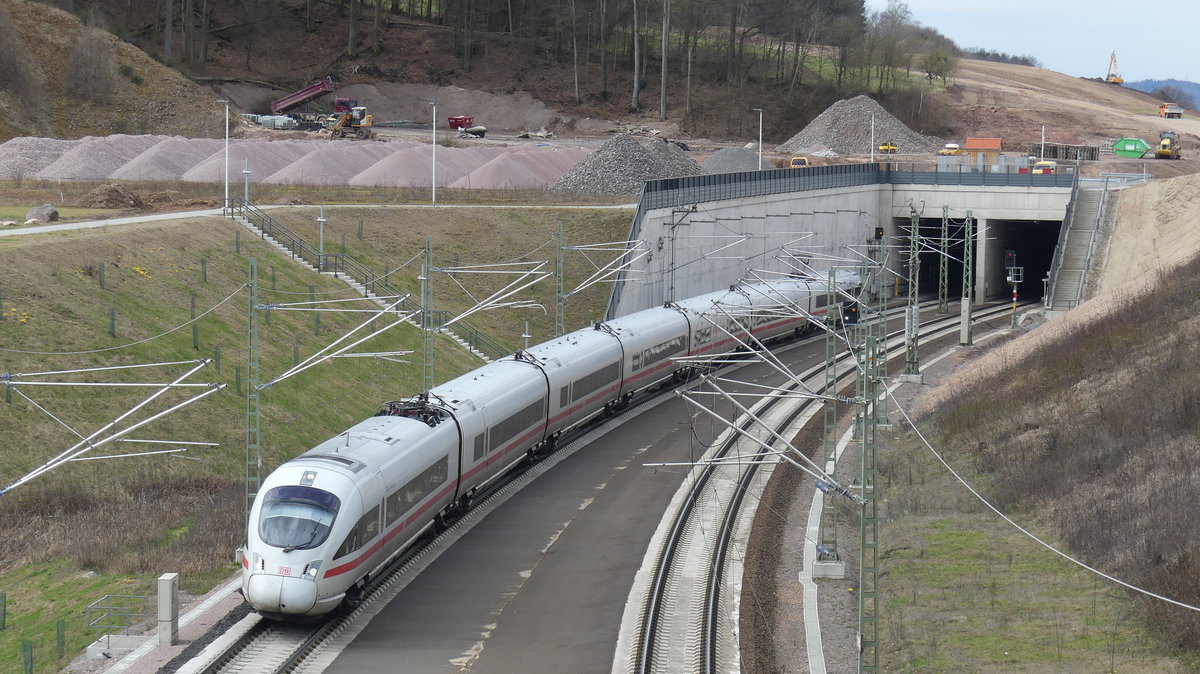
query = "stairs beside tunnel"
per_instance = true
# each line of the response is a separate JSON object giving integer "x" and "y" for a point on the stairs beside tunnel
{"x": 1076, "y": 249}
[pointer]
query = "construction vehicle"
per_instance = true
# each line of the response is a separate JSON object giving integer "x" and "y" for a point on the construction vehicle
{"x": 798, "y": 162}
{"x": 951, "y": 150}
{"x": 1113, "y": 77}
{"x": 888, "y": 148}
{"x": 1168, "y": 146}
{"x": 350, "y": 119}
{"x": 298, "y": 98}
{"x": 1044, "y": 167}
{"x": 1170, "y": 111}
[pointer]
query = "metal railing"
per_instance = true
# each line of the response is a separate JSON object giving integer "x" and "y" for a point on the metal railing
{"x": 120, "y": 613}
{"x": 1060, "y": 248}
{"x": 373, "y": 283}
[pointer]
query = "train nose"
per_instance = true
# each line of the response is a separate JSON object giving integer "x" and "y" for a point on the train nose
{"x": 281, "y": 594}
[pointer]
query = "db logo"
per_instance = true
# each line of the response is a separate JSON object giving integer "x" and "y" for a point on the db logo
{"x": 285, "y": 570}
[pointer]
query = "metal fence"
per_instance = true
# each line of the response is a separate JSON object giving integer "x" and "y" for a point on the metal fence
{"x": 671, "y": 192}
{"x": 120, "y": 613}
{"x": 342, "y": 263}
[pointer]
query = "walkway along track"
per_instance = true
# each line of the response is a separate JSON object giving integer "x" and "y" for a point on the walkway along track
{"x": 680, "y": 622}
{"x": 269, "y": 646}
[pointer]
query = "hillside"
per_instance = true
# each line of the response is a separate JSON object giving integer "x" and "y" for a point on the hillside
{"x": 85, "y": 81}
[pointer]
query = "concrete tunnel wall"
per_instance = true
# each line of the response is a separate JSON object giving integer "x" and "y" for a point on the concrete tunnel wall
{"x": 716, "y": 244}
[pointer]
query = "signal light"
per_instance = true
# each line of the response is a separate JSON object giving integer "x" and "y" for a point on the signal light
{"x": 850, "y": 311}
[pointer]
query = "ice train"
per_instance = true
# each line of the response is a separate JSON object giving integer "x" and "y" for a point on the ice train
{"x": 325, "y": 521}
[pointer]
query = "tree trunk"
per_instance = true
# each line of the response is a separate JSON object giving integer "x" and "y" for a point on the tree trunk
{"x": 205, "y": 18}
{"x": 666, "y": 39}
{"x": 603, "y": 49}
{"x": 635, "y": 102}
{"x": 378, "y": 26}
{"x": 309, "y": 26}
{"x": 575, "y": 48}
{"x": 168, "y": 31}
{"x": 352, "y": 43}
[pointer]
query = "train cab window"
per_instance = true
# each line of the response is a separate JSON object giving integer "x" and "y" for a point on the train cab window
{"x": 296, "y": 517}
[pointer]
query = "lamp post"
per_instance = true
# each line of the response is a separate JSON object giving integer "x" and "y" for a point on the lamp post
{"x": 225, "y": 208}
{"x": 759, "y": 111}
{"x": 321, "y": 240}
{"x": 246, "y": 180}
{"x": 433, "y": 150}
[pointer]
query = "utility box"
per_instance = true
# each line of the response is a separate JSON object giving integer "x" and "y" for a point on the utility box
{"x": 168, "y": 609}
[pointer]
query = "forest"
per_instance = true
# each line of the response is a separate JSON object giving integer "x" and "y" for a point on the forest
{"x": 697, "y": 61}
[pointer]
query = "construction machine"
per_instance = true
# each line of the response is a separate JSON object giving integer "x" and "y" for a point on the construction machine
{"x": 1168, "y": 146}
{"x": 350, "y": 119}
{"x": 1170, "y": 111}
{"x": 1113, "y": 77}
{"x": 798, "y": 162}
{"x": 951, "y": 150}
{"x": 888, "y": 148}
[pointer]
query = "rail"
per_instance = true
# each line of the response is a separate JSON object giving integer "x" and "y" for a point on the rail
{"x": 372, "y": 283}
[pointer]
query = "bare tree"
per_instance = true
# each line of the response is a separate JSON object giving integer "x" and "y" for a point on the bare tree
{"x": 91, "y": 73}
{"x": 635, "y": 102}
{"x": 352, "y": 42}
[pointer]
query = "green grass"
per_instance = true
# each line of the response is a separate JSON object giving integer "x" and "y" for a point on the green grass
{"x": 112, "y": 522}
{"x": 17, "y": 213}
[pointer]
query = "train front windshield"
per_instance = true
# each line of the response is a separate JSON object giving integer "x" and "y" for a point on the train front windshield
{"x": 297, "y": 518}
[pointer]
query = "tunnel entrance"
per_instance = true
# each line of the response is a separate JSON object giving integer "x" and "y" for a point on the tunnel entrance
{"x": 1032, "y": 243}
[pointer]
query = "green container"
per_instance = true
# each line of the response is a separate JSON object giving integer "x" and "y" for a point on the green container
{"x": 1130, "y": 147}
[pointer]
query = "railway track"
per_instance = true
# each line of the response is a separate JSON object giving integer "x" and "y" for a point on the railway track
{"x": 687, "y": 616}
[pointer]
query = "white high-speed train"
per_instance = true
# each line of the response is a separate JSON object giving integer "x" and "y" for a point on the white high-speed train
{"x": 327, "y": 520}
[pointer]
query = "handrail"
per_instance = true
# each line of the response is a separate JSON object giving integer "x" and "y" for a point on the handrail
{"x": 1060, "y": 248}
{"x": 342, "y": 263}
{"x": 1092, "y": 241}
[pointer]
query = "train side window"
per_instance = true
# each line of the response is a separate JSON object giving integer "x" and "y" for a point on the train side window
{"x": 370, "y": 525}
{"x": 593, "y": 382}
{"x": 514, "y": 424}
{"x": 480, "y": 449}
{"x": 393, "y": 507}
{"x": 564, "y": 396}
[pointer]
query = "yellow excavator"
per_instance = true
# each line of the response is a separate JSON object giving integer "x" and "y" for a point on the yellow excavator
{"x": 1113, "y": 77}
{"x": 350, "y": 119}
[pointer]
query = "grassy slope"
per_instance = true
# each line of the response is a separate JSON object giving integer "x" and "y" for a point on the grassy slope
{"x": 114, "y": 526}
{"x": 1087, "y": 436}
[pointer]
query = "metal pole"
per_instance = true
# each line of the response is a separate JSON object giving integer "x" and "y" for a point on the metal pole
{"x": 912, "y": 318}
{"x": 560, "y": 300}
{"x": 944, "y": 264}
{"x": 433, "y": 185}
{"x": 225, "y": 208}
{"x": 964, "y": 330}
{"x": 760, "y": 111}
{"x": 321, "y": 240}
{"x": 253, "y": 416}
{"x": 868, "y": 551}
{"x": 1042, "y": 154}
{"x": 427, "y": 326}
{"x": 872, "y": 138}
{"x": 246, "y": 180}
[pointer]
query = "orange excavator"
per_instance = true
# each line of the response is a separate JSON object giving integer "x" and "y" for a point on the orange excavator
{"x": 350, "y": 119}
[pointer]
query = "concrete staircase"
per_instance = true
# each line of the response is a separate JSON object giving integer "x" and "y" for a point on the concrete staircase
{"x": 1076, "y": 248}
{"x": 359, "y": 288}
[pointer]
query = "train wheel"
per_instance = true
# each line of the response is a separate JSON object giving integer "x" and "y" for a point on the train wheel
{"x": 354, "y": 597}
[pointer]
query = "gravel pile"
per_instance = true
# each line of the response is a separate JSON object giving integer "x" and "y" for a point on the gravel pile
{"x": 330, "y": 163}
{"x": 168, "y": 160}
{"x": 97, "y": 157}
{"x": 623, "y": 165}
{"x": 265, "y": 157}
{"x": 733, "y": 160}
{"x": 845, "y": 128}
{"x": 24, "y": 156}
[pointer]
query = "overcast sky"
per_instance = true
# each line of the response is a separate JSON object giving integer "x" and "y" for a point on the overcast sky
{"x": 1152, "y": 37}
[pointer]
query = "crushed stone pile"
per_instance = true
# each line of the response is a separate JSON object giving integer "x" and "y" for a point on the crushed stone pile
{"x": 97, "y": 157}
{"x": 265, "y": 158}
{"x": 523, "y": 169}
{"x": 332, "y": 163}
{"x": 168, "y": 160}
{"x": 733, "y": 160}
{"x": 24, "y": 156}
{"x": 623, "y": 165}
{"x": 845, "y": 128}
{"x": 111, "y": 196}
